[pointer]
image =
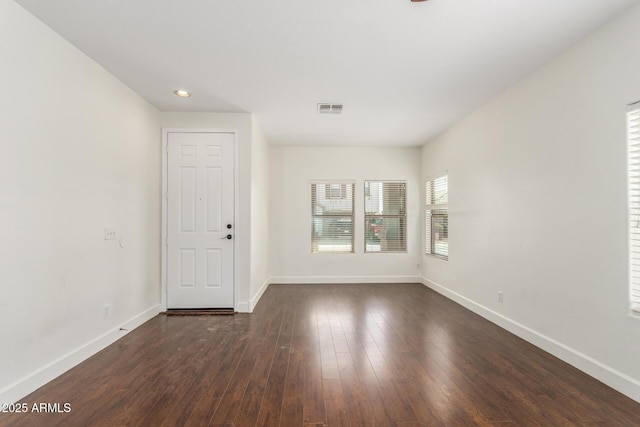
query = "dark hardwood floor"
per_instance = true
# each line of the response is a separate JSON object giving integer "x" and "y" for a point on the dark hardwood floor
{"x": 337, "y": 355}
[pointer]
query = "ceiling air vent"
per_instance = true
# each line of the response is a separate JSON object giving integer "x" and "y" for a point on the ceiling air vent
{"x": 329, "y": 108}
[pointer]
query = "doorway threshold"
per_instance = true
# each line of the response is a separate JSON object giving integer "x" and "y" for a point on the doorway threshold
{"x": 200, "y": 312}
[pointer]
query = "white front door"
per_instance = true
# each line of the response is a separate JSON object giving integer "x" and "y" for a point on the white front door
{"x": 200, "y": 219}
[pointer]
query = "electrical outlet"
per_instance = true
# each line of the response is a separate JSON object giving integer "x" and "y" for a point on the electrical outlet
{"x": 417, "y": 266}
{"x": 109, "y": 234}
{"x": 500, "y": 296}
{"x": 107, "y": 311}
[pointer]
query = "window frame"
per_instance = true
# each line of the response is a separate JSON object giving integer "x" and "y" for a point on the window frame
{"x": 633, "y": 206}
{"x": 330, "y": 187}
{"x": 402, "y": 217}
{"x": 442, "y": 209}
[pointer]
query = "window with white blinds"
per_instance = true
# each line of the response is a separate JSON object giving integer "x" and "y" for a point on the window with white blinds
{"x": 332, "y": 217}
{"x": 437, "y": 217}
{"x": 385, "y": 216}
{"x": 633, "y": 145}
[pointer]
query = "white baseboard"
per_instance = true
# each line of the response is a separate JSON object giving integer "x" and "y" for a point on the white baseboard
{"x": 243, "y": 307}
{"x": 40, "y": 377}
{"x": 254, "y": 301}
{"x": 611, "y": 377}
{"x": 305, "y": 280}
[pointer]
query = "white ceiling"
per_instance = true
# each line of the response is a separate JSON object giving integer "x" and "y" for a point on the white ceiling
{"x": 405, "y": 71}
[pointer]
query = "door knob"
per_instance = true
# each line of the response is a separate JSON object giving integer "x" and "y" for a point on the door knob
{"x": 229, "y": 226}
{"x": 228, "y": 236}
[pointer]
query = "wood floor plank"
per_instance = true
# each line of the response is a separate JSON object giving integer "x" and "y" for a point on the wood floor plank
{"x": 330, "y": 370}
{"x": 271, "y": 407}
{"x": 292, "y": 404}
{"x": 329, "y": 355}
{"x": 203, "y": 395}
{"x": 218, "y": 404}
{"x": 361, "y": 413}
{"x": 251, "y": 404}
{"x": 313, "y": 397}
{"x": 335, "y": 403}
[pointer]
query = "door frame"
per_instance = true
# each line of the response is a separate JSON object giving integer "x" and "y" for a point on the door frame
{"x": 165, "y": 197}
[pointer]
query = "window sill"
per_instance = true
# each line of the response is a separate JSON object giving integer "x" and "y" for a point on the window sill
{"x": 441, "y": 257}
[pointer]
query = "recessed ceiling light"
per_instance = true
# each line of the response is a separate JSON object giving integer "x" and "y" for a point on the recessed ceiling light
{"x": 182, "y": 93}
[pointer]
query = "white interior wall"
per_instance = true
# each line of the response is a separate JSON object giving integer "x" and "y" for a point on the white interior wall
{"x": 79, "y": 152}
{"x": 537, "y": 205}
{"x": 292, "y": 170}
{"x": 260, "y": 219}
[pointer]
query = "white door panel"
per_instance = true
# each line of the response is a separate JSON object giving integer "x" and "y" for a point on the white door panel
{"x": 200, "y": 210}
